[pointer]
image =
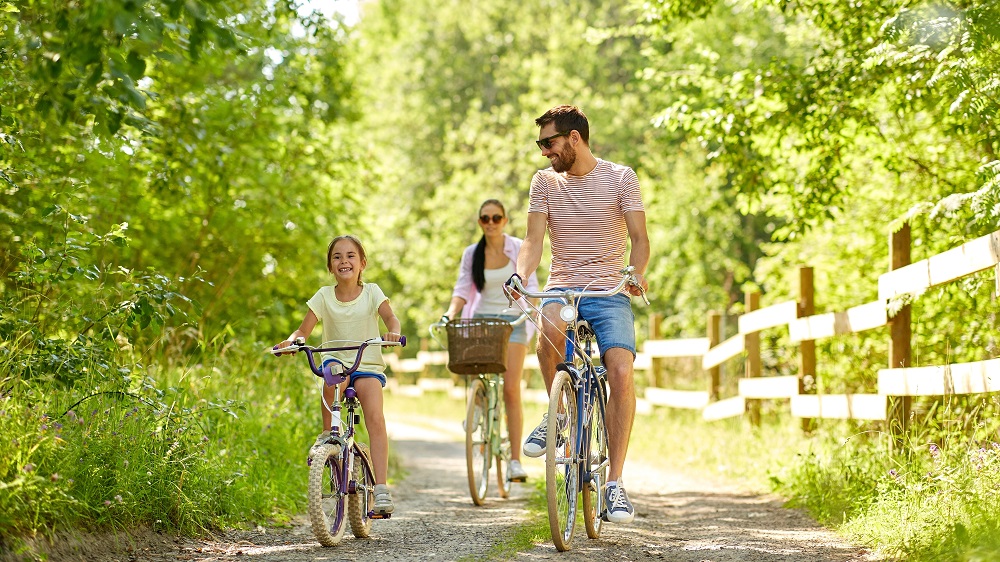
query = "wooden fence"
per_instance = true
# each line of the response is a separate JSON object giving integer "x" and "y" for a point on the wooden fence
{"x": 897, "y": 383}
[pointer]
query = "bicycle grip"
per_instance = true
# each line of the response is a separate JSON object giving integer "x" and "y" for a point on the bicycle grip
{"x": 402, "y": 341}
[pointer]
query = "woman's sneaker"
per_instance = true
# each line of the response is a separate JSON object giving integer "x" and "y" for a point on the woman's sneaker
{"x": 383, "y": 500}
{"x": 617, "y": 508}
{"x": 515, "y": 472}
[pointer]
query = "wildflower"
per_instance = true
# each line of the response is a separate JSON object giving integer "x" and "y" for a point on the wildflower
{"x": 107, "y": 503}
{"x": 57, "y": 425}
{"x": 29, "y": 467}
{"x": 934, "y": 450}
{"x": 126, "y": 464}
{"x": 118, "y": 498}
{"x": 893, "y": 473}
{"x": 44, "y": 427}
{"x": 71, "y": 415}
{"x": 54, "y": 477}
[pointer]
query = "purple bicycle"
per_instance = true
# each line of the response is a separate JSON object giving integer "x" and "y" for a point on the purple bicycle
{"x": 341, "y": 476}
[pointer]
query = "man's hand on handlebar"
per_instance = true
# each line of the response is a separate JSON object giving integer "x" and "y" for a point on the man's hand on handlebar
{"x": 640, "y": 286}
{"x": 510, "y": 290}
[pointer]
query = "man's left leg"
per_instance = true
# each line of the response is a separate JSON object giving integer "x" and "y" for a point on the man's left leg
{"x": 619, "y": 420}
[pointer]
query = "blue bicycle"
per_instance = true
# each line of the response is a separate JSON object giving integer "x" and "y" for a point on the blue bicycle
{"x": 576, "y": 448}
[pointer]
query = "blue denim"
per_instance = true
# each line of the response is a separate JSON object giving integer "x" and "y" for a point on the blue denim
{"x": 359, "y": 374}
{"x": 520, "y": 333}
{"x": 611, "y": 318}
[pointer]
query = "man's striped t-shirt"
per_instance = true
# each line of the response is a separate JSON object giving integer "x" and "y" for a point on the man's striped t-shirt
{"x": 586, "y": 222}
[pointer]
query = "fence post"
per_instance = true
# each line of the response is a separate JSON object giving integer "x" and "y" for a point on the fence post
{"x": 656, "y": 375}
{"x": 807, "y": 348}
{"x": 714, "y": 333}
{"x": 753, "y": 355}
{"x": 900, "y": 331}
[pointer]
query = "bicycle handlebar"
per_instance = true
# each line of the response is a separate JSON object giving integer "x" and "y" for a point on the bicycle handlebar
{"x": 628, "y": 278}
{"x": 328, "y": 374}
{"x": 436, "y": 327}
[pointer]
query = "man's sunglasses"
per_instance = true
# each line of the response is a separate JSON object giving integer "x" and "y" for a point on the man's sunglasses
{"x": 547, "y": 141}
{"x": 485, "y": 219}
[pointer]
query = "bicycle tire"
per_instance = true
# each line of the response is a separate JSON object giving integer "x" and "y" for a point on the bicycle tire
{"x": 478, "y": 450}
{"x": 361, "y": 502}
{"x": 326, "y": 503}
{"x": 562, "y": 470}
{"x": 502, "y": 438}
{"x": 596, "y": 474}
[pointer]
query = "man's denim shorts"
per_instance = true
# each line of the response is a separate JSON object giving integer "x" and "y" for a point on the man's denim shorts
{"x": 520, "y": 333}
{"x": 611, "y": 318}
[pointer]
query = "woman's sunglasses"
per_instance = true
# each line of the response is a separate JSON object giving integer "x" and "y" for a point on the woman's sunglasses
{"x": 485, "y": 219}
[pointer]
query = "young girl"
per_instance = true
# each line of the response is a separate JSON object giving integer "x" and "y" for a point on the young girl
{"x": 350, "y": 310}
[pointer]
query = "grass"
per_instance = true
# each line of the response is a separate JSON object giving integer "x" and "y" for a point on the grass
{"x": 185, "y": 448}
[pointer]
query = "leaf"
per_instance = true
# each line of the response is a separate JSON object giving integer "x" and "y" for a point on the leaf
{"x": 136, "y": 65}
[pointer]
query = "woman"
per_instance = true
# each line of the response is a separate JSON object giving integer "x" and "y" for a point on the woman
{"x": 485, "y": 268}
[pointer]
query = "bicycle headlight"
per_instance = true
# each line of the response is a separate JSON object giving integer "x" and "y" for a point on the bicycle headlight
{"x": 567, "y": 313}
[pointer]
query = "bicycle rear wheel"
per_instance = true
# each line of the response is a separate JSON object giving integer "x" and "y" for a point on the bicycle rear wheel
{"x": 326, "y": 502}
{"x": 596, "y": 473}
{"x": 562, "y": 469}
{"x": 361, "y": 502}
{"x": 502, "y": 438}
{"x": 478, "y": 453}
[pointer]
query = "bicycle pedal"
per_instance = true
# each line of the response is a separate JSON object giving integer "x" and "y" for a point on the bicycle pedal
{"x": 374, "y": 515}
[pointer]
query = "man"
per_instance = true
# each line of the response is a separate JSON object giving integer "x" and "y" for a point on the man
{"x": 592, "y": 208}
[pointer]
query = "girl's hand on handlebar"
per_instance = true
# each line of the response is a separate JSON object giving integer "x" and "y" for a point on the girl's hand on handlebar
{"x": 283, "y": 345}
{"x": 391, "y": 336}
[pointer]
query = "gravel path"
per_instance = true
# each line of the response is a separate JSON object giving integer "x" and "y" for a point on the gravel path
{"x": 677, "y": 519}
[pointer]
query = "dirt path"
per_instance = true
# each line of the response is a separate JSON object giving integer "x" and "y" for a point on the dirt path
{"x": 678, "y": 519}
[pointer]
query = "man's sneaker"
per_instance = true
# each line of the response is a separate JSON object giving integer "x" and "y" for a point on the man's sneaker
{"x": 383, "y": 500}
{"x": 534, "y": 445}
{"x": 617, "y": 508}
{"x": 515, "y": 473}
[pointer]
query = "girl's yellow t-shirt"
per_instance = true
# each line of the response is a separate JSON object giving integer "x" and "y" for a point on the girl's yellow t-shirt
{"x": 345, "y": 323}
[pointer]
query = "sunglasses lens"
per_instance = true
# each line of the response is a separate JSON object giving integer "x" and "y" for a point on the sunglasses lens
{"x": 485, "y": 219}
{"x": 497, "y": 219}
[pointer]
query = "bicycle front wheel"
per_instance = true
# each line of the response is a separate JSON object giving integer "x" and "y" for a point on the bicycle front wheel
{"x": 596, "y": 474}
{"x": 562, "y": 469}
{"x": 326, "y": 498}
{"x": 361, "y": 502}
{"x": 478, "y": 453}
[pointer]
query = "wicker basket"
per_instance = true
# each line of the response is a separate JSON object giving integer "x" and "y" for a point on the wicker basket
{"x": 478, "y": 346}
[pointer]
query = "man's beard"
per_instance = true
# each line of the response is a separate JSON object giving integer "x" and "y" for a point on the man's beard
{"x": 564, "y": 160}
